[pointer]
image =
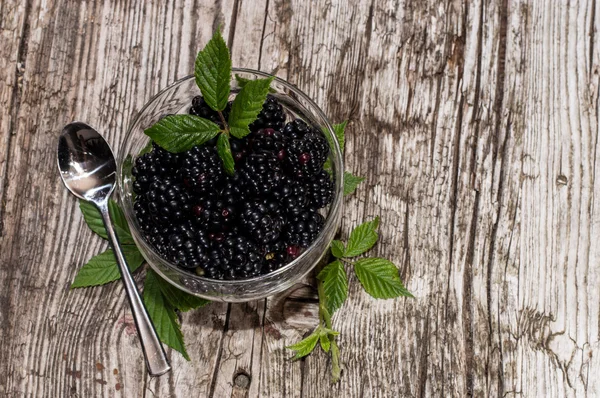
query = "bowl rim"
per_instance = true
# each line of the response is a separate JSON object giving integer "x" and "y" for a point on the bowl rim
{"x": 332, "y": 216}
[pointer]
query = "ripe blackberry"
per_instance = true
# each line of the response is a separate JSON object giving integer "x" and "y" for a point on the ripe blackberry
{"x": 275, "y": 256}
{"x": 214, "y": 214}
{"x": 188, "y": 246}
{"x": 320, "y": 190}
{"x": 261, "y": 173}
{"x": 201, "y": 170}
{"x": 306, "y": 156}
{"x": 239, "y": 148}
{"x": 201, "y": 108}
{"x": 269, "y": 140}
{"x": 271, "y": 115}
{"x": 296, "y": 129}
{"x": 168, "y": 161}
{"x": 233, "y": 258}
{"x": 302, "y": 229}
{"x": 233, "y": 191}
{"x": 167, "y": 201}
{"x": 262, "y": 220}
{"x": 140, "y": 208}
{"x": 146, "y": 170}
{"x": 292, "y": 196}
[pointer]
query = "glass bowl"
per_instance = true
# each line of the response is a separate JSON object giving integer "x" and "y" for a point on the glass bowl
{"x": 177, "y": 99}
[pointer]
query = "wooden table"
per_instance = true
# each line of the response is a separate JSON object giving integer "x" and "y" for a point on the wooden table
{"x": 474, "y": 122}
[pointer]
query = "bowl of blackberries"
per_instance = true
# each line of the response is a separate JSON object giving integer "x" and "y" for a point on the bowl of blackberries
{"x": 234, "y": 236}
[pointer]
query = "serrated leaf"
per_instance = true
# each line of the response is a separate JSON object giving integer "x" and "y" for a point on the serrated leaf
{"x": 351, "y": 182}
{"x": 224, "y": 151}
{"x": 102, "y": 268}
{"x": 339, "y": 130}
{"x": 337, "y": 248}
{"x": 247, "y": 105}
{"x": 179, "y": 299}
{"x": 163, "y": 315}
{"x": 324, "y": 341}
{"x": 306, "y": 346}
{"x": 146, "y": 149}
{"x": 379, "y": 277}
{"x": 336, "y": 371}
{"x": 241, "y": 81}
{"x": 213, "y": 72}
{"x": 93, "y": 219}
{"x": 335, "y": 285}
{"x": 178, "y": 133}
{"x": 362, "y": 238}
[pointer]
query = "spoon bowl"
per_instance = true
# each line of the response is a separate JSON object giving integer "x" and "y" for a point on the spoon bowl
{"x": 86, "y": 162}
{"x": 88, "y": 169}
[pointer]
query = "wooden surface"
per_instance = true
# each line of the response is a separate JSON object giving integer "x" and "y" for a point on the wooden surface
{"x": 475, "y": 123}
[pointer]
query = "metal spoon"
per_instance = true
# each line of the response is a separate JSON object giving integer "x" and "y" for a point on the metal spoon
{"x": 88, "y": 169}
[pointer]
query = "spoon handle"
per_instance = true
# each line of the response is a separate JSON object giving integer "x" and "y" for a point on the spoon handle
{"x": 156, "y": 359}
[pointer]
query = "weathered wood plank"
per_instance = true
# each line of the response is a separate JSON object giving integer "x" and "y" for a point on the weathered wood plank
{"x": 119, "y": 56}
{"x": 475, "y": 123}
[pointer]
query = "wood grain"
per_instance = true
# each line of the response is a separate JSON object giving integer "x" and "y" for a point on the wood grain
{"x": 474, "y": 122}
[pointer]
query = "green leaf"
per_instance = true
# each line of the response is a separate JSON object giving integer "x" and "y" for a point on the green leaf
{"x": 324, "y": 341}
{"x": 178, "y": 133}
{"x": 351, "y": 182}
{"x": 247, "y": 105}
{"x": 337, "y": 248}
{"x": 179, "y": 299}
{"x": 336, "y": 371}
{"x": 102, "y": 268}
{"x": 380, "y": 278}
{"x": 335, "y": 285}
{"x": 146, "y": 149}
{"x": 241, "y": 81}
{"x": 224, "y": 151}
{"x": 163, "y": 314}
{"x": 93, "y": 219}
{"x": 213, "y": 72}
{"x": 339, "y": 130}
{"x": 362, "y": 238}
{"x": 305, "y": 347}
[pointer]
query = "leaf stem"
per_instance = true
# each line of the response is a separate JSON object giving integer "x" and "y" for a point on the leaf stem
{"x": 345, "y": 260}
{"x": 225, "y": 125}
{"x": 325, "y": 317}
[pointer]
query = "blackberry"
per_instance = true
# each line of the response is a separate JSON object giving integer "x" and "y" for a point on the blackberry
{"x": 233, "y": 258}
{"x": 275, "y": 256}
{"x": 296, "y": 129}
{"x": 303, "y": 228}
{"x": 201, "y": 108}
{"x": 292, "y": 196}
{"x": 269, "y": 140}
{"x": 271, "y": 115}
{"x": 140, "y": 208}
{"x": 188, "y": 246}
{"x": 320, "y": 190}
{"x": 263, "y": 220}
{"x": 168, "y": 161}
{"x": 214, "y": 214}
{"x": 306, "y": 156}
{"x": 239, "y": 148}
{"x": 146, "y": 170}
{"x": 233, "y": 191}
{"x": 201, "y": 170}
{"x": 167, "y": 201}
{"x": 261, "y": 173}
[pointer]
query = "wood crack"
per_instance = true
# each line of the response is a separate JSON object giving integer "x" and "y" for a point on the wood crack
{"x": 213, "y": 383}
{"x": 467, "y": 310}
{"x": 498, "y": 105}
{"x": 15, "y": 105}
